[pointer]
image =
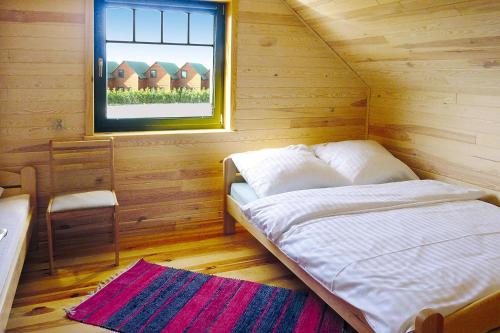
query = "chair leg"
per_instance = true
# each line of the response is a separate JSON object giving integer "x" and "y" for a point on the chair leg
{"x": 116, "y": 234}
{"x": 50, "y": 244}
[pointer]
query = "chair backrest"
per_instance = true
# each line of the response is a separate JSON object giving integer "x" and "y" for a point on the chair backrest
{"x": 78, "y": 166}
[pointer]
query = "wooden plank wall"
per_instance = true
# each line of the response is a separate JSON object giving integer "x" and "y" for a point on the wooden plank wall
{"x": 290, "y": 89}
{"x": 434, "y": 72}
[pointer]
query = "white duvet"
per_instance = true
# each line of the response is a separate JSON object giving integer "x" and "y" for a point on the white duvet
{"x": 391, "y": 249}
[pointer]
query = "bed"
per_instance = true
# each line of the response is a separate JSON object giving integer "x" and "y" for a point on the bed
{"x": 266, "y": 225}
{"x": 17, "y": 214}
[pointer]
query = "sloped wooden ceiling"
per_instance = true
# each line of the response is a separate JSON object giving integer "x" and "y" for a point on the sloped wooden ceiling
{"x": 433, "y": 67}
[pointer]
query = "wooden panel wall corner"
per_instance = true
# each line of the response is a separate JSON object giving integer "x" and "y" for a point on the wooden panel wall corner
{"x": 289, "y": 89}
{"x": 433, "y": 68}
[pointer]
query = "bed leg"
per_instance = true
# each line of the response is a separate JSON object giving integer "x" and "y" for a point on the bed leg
{"x": 229, "y": 224}
{"x": 429, "y": 321}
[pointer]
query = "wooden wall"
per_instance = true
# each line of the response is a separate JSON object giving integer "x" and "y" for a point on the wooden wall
{"x": 290, "y": 89}
{"x": 434, "y": 72}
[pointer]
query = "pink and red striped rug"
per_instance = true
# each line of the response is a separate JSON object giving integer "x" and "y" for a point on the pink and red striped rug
{"x": 154, "y": 298}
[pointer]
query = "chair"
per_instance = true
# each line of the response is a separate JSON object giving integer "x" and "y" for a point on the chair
{"x": 82, "y": 186}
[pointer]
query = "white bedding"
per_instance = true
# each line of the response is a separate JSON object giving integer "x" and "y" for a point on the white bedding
{"x": 13, "y": 214}
{"x": 278, "y": 170}
{"x": 392, "y": 249}
{"x": 361, "y": 162}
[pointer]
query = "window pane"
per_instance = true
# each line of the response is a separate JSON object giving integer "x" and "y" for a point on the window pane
{"x": 159, "y": 81}
{"x": 201, "y": 29}
{"x": 175, "y": 27}
{"x": 147, "y": 25}
{"x": 119, "y": 24}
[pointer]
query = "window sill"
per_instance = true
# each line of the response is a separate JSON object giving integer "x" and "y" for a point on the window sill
{"x": 155, "y": 133}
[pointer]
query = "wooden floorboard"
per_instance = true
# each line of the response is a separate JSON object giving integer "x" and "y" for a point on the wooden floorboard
{"x": 41, "y": 299}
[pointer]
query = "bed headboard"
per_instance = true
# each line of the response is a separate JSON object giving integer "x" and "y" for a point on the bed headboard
{"x": 231, "y": 175}
{"x": 19, "y": 183}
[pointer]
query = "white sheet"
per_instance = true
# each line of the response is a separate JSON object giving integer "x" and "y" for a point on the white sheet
{"x": 391, "y": 250}
{"x": 13, "y": 214}
{"x": 274, "y": 215}
{"x": 243, "y": 193}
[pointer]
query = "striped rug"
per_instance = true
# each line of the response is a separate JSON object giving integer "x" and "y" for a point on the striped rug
{"x": 154, "y": 298}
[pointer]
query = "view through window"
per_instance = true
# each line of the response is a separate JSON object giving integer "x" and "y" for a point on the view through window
{"x": 151, "y": 85}
{"x": 161, "y": 61}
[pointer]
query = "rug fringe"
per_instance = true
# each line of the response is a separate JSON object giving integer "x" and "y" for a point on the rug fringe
{"x": 71, "y": 311}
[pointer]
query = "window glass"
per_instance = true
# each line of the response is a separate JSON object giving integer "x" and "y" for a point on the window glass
{"x": 175, "y": 26}
{"x": 167, "y": 98}
{"x": 133, "y": 95}
{"x": 147, "y": 25}
{"x": 201, "y": 29}
{"x": 119, "y": 24}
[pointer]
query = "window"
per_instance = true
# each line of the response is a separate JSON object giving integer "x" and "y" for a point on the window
{"x": 139, "y": 34}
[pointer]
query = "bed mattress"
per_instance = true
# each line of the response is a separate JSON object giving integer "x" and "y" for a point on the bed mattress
{"x": 243, "y": 193}
{"x": 390, "y": 250}
{"x": 13, "y": 217}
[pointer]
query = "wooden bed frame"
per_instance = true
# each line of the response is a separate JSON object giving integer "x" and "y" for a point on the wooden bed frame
{"x": 15, "y": 184}
{"x": 478, "y": 317}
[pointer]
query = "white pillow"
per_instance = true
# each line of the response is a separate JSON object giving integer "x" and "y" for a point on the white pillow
{"x": 363, "y": 162}
{"x": 1, "y": 191}
{"x": 278, "y": 170}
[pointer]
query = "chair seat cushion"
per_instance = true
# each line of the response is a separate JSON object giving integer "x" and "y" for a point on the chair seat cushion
{"x": 83, "y": 200}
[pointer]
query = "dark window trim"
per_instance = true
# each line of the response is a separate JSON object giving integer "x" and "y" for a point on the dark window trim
{"x": 102, "y": 124}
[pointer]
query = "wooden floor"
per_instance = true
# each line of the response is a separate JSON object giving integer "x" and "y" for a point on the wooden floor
{"x": 40, "y": 298}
